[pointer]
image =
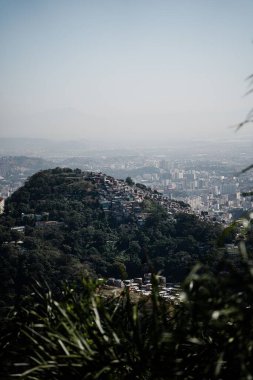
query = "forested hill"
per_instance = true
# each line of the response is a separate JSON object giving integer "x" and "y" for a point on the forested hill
{"x": 64, "y": 224}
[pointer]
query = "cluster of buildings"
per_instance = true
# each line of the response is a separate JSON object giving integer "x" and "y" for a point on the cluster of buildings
{"x": 143, "y": 286}
{"x": 211, "y": 192}
{"x": 12, "y": 176}
{"x": 214, "y": 189}
{"x": 219, "y": 198}
{"x": 117, "y": 197}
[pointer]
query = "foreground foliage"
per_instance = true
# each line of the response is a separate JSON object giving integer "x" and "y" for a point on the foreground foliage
{"x": 82, "y": 335}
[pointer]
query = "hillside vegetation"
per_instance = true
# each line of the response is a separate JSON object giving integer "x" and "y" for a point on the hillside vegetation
{"x": 64, "y": 224}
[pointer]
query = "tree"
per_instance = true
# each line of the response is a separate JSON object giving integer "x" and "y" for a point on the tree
{"x": 129, "y": 181}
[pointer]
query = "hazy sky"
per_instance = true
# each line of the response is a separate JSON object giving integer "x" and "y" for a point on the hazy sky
{"x": 124, "y": 69}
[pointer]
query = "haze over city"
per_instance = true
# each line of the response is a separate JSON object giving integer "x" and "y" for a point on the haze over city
{"x": 124, "y": 70}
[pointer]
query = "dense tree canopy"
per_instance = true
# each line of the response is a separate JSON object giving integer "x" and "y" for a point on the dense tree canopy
{"x": 67, "y": 234}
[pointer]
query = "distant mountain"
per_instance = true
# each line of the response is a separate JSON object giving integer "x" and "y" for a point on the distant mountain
{"x": 22, "y": 165}
{"x": 41, "y": 147}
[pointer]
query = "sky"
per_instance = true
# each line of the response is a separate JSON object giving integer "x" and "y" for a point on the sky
{"x": 125, "y": 70}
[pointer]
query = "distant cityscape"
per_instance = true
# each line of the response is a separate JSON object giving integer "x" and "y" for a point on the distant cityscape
{"x": 209, "y": 178}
